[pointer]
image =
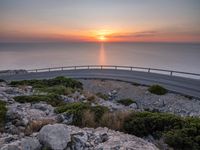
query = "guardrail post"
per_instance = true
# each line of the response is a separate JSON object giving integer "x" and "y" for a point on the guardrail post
{"x": 75, "y": 67}
{"x": 171, "y": 72}
{"x": 148, "y": 69}
{"x": 131, "y": 68}
{"x": 36, "y": 70}
{"x": 115, "y": 67}
{"x": 62, "y": 68}
{"x": 49, "y": 69}
{"x": 88, "y": 67}
{"x": 101, "y": 67}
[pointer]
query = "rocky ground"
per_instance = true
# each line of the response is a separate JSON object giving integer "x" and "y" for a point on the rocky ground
{"x": 24, "y": 120}
{"x": 170, "y": 102}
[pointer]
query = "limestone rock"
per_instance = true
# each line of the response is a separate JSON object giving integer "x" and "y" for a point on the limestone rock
{"x": 55, "y": 136}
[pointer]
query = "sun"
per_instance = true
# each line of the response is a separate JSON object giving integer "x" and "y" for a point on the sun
{"x": 102, "y": 38}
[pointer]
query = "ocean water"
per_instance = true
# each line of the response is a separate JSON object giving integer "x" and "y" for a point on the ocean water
{"x": 172, "y": 56}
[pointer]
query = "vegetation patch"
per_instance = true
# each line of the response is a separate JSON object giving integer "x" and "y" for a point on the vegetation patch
{"x": 58, "y": 89}
{"x": 3, "y": 111}
{"x": 78, "y": 109}
{"x": 157, "y": 89}
{"x": 179, "y": 133}
{"x": 51, "y": 99}
{"x": 126, "y": 101}
{"x": 103, "y": 96}
{"x": 60, "y": 81}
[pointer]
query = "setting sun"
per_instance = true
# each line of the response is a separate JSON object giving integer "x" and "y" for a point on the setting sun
{"x": 102, "y": 38}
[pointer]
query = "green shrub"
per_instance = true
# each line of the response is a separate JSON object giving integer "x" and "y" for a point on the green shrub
{"x": 67, "y": 82}
{"x": 126, "y": 102}
{"x": 98, "y": 111}
{"x": 103, "y": 96}
{"x": 145, "y": 123}
{"x": 77, "y": 110}
{"x": 3, "y": 111}
{"x": 182, "y": 139}
{"x": 157, "y": 89}
{"x": 58, "y": 89}
{"x": 51, "y": 99}
{"x": 187, "y": 137}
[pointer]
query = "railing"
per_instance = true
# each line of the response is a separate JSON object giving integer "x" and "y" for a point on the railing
{"x": 130, "y": 68}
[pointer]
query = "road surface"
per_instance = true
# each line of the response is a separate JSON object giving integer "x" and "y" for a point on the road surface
{"x": 186, "y": 86}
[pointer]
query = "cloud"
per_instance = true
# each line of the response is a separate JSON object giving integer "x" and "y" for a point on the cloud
{"x": 135, "y": 35}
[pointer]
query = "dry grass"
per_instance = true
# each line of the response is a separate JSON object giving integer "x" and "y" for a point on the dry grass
{"x": 36, "y": 125}
{"x": 114, "y": 120}
{"x": 88, "y": 119}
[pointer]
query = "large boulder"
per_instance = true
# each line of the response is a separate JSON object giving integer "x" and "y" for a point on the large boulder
{"x": 55, "y": 136}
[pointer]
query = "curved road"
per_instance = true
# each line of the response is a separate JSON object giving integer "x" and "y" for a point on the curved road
{"x": 186, "y": 86}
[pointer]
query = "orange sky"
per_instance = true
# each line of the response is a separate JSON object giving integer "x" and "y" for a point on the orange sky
{"x": 106, "y": 20}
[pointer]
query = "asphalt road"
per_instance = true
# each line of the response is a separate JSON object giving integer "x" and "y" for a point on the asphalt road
{"x": 186, "y": 86}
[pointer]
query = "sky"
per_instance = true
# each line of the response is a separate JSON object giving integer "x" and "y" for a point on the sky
{"x": 100, "y": 20}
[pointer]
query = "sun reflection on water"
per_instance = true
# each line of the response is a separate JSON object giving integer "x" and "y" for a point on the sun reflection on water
{"x": 102, "y": 58}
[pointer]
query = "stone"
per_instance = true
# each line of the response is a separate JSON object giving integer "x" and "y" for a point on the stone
{"x": 30, "y": 144}
{"x": 133, "y": 106}
{"x": 27, "y": 143}
{"x": 55, "y": 136}
{"x": 79, "y": 141}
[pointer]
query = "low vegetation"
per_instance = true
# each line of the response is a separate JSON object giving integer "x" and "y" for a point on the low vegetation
{"x": 157, "y": 89}
{"x": 51, "y": 99}
{"x": 103, "y": 96}
{"x": 58, "y": 81}
{"x": 126, "y": 102}
{"x": 178, "y": 132}
{"x": 58, "y": 90}
{"x": 78, "y": 110}
{"x": 3, "y": 111}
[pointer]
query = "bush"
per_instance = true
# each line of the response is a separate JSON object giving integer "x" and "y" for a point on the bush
{"x": 3, "y": 111}
{"x": 78, "y": 109}
{"x": 51, "y": 99}
{"x": 145, "y": 123}
{"x": 126, "y": 102}
{"x": 157, "y": 89}
{"x": 58, "y": 89}
{"x": 185, "y": 138}
{"x": 103, "y": 96}
{"x": 67, "y": 82}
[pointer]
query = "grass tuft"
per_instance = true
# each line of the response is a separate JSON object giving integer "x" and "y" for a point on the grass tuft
{"x": 126, "y": 102}
{"x": 157, "y": 89}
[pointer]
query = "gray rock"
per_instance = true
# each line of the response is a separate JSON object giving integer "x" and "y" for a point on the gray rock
{"x": 27, "y": 143}
{"x": 79, "y": 141}
{"x": 133, "y": 106}
{"x": 55, "y": 136}
{"x": 30, "y": 144}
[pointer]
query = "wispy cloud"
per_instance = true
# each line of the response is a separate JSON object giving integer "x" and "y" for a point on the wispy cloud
{"x": 134, "y": 35}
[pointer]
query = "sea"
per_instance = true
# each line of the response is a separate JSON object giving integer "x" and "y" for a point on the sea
{"x": 171, "y": 56}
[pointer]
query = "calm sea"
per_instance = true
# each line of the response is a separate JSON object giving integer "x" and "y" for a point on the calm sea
{"x": 181, "y": 57}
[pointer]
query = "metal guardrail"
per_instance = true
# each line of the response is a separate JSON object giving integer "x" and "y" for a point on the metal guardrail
{"x": 130, "y": 68}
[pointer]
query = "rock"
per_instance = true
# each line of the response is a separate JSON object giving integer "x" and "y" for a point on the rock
{"x": 30, "y": 144}
{"x": 27, "y": 143}
{"x": 55, "y": 136}
{"x": 65, "y": 118}
{"x": 20, "y": 116}
{"x": 133, "y": 106}
{"x": 79, "y": 141}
